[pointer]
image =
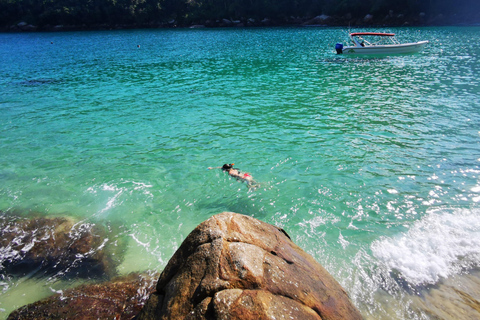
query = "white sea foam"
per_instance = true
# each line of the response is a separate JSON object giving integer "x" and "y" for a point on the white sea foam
{"x": 114, "y": 193}
{"x": 476, "y": 189}
{"x": 146, "y": 245}
{"x": 439, "y": 245}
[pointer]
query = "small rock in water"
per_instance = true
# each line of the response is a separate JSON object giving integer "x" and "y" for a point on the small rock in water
{"x": 49, "y": 246}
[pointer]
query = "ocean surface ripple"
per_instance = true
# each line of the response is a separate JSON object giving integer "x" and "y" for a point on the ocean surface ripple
{"x": 370, "y": 164}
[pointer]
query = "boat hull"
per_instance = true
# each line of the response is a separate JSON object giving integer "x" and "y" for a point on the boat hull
{"x": 386, "y": 49}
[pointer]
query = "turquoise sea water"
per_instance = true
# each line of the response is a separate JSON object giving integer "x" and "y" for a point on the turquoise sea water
{"x": 371, "y": 165}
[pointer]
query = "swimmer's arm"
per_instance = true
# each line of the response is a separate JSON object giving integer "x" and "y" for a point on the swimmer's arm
{"x": 210, "y": 168}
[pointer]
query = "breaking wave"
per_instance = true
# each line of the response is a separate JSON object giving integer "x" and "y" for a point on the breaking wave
{"x": 441, "y": 244}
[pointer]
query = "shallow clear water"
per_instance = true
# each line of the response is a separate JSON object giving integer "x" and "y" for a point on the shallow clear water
{"x": 371, "y": 165}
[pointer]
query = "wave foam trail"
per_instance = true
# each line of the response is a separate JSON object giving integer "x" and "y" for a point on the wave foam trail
{"x": 440, "y": 245}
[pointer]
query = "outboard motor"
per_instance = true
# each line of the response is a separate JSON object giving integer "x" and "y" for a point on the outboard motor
{"x": 339, "y": 48}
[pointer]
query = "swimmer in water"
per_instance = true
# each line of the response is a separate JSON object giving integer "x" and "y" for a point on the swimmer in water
{"x": 234, "y": 172}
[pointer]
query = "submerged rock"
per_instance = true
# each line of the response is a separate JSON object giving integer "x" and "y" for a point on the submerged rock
{"x": 236, "y": 267}
{"x": 49, "y": 246}
{"x": 456, "y": 297}
{"x": 121, "y": 298}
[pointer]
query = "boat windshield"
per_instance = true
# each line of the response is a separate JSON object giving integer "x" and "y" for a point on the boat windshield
{"x": 373, "y": 39}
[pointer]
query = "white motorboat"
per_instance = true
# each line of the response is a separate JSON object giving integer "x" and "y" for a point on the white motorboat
{"x": 369, "y": 43}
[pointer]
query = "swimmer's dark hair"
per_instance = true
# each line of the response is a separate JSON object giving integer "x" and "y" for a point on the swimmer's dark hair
{"x": 227, "y": 166}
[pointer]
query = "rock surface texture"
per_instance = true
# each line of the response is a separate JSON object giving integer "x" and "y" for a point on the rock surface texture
{"x": 121, "y": 298}
{"x": 236, "y": 267}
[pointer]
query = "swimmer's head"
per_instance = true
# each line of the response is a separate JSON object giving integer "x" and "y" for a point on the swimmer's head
{"x": 228, "y": 166}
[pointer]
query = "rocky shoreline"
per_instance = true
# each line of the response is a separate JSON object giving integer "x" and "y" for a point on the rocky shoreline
{"x": 392, "y": 19}
{"x": 230, "y": 267}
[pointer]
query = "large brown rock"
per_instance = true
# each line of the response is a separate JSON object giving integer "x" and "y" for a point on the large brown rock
{"x": 236, "y": 267}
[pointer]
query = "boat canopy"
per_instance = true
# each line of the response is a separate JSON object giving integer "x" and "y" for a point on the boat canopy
{"x": 382, "y": 34}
